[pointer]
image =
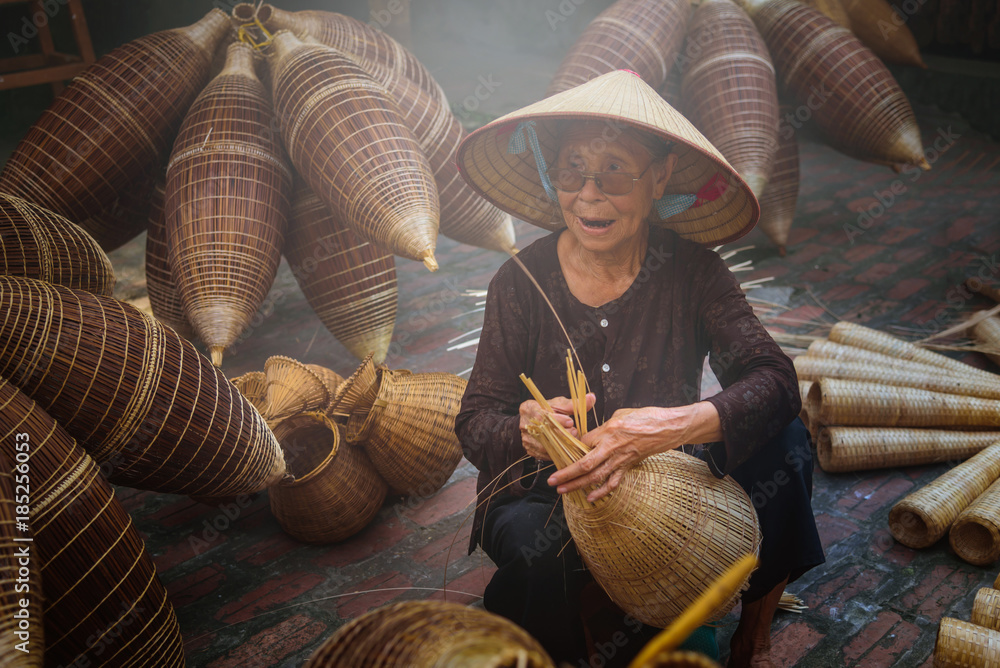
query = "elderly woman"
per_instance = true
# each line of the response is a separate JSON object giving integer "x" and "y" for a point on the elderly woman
{"x": 634, "y": 194}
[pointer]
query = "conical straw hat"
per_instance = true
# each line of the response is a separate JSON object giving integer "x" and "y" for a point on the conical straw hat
{"x": 964, "y": 645}
{"x": 986, "y": 608}
{"x": 814, "y": 368}
{"x": 511, "y": 180}
{"x": 292, "y": 388}
{"x": 842, "y": 449}
{"x": 975, "y": 535}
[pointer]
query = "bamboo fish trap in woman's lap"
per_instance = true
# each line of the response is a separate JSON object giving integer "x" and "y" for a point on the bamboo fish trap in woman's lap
{"x": 430, "y": 634}
{"x": 778, "y": 201}
{"x": 964, "y": 645}
{"x": 227, "y": 201}
{"x": 115, "y": 122}
{"x": 816, "y": 368}
{"x": 350, "y": 283}
{"x": 143, "y": 401}
{"x": 842, "y": 449}
{"x": 103, "y": 602}
{"x": 347, "y": 139}
{"x": 164, "y": 299}
{"x": 36, "y": 243}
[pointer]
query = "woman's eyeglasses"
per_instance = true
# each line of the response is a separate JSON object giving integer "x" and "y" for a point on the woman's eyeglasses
{"x": 569, "y": 180}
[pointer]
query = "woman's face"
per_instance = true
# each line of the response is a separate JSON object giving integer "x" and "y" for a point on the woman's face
{"x": 601, "y": 222}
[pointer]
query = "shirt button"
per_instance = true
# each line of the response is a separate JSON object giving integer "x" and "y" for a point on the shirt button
{"x": 606, "y": 367}
{"x": 604, "y": 322}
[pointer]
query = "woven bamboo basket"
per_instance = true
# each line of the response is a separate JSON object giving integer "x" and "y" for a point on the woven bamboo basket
{"x": 804, "y": 387}
{"x": 987, "y": 332}
{"x": 350, "y": 283}
{"x": 164, "y": 299}
{"x": 411, "y": 437}
{"x": 876, "y": 23}
{"x": 365, "y": 407}
{"x": 815, "y": 368}
{"x": 36, "y": 243}
{"x": 837, "y": 351}
{"x": 292, "y": 388}
{"x": 103, "y": 602}
{"x": 964, "y": 645}
{"x": 986, "y": 608}
{"x": 833, "y": 10}
{"x": 347, "y": 139}
{"x": 227, "y": 200}
{"x": 778, "y": 201}
{"x": 644, "y": 36}
{"x": 729, "y": 90}
{"x": 923, "y": 517}
{"x": 975, "y": 534}
{"x": 253, "y": 386}
{"x": 142, "y": 400}
{"x": 335, "y": 491}
{"x": 114, "y": 123}
{"x": 330, "y": 378}
{"x": 678, "y": 659}
{"x": 860, "y": 107}
{"x": 426, "y": 634}
{"x": 843, "y": 449}
{"x": 125, "y": 218}
{"x": 353, "y": 388}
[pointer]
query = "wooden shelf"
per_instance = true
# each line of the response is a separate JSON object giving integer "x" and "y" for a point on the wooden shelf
{"x": 49, "y": 66}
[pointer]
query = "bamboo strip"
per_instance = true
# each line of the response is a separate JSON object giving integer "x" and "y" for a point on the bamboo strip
{"x": 975, "y": 534}
{"x": 816, "y": 368}
{"x": 842, "y": 449}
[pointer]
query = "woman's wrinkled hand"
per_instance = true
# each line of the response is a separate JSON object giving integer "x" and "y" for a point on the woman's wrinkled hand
{"x": 562, "y": 408}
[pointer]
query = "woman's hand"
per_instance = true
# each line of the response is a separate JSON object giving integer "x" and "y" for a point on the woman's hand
{"x": 631, "y": 435}
{"x": 562, "y": 408}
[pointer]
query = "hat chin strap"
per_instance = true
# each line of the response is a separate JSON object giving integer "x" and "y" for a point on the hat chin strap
{"x": 673, "y": 203}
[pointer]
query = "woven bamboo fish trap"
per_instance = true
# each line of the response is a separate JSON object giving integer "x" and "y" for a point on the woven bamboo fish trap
{"x": 859, "y": 106}
{"x": 142, "y": 400}
{"x": 115, "y": 122}
{"x": 253, "y": 386}
{"x": 330, "y": 378}
{"x": 410, "y": 436}
{"x": 292, "y": 388}
{"x": 644, "y": 36}
{"x": 426, "y": 634}
{"x": 964, "y": 645}
{"x": 843, "y": 449}
{"x": 333, "y": 491}
{"x": 103, "y": 602}
{"x": 877, "y": 24}
{"x": 347, "y": 139}
{"x": 837, "y": 351}
{"x": 36, "y": 243}
{"x": 227, "y": 201}
{"x": 164, "y": 299}
{"x": 14, "y": 576}
{"x": 986, "y": 608}
{"x": 833, "y": 10}
{"x": 923, "y": 517}
{"x": 353, "y": 388}
{"x": 350, "y": 283}
{"x": 815, "y": 368}
{"x": 363, "y": 410}
{"x": 778, "y": 201}
{"x": 987, "y": 332}
{"x": 975, "y": 534}
{"x": 671, "y": 88}
{"x": 729, "y": 90}
{"x": 126, "y": 217}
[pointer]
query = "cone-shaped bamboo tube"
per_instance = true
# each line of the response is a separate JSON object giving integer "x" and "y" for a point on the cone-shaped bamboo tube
{"x": 114, "y": 123}
{"x": 975, "y": 535}
{"x": 964, "y": 645}
{"x": 838, "y": 351}
{"x": 164, "y": 299}
{"x": 843, "y": 449}
{"x": 347, "y": 139}
{"x": 986, "y": 608}
{"x": 778, "y": 201}
{"x": 923, "y": 517}
{"x": 987, "y": 332}
{"x": 884, "y": 31}
{"x": 227, "y": 200}
{"x": 815, "y": 368}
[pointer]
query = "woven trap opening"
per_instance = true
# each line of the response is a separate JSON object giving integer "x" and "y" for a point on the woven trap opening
{"x": 911, "y": 524}
{"x": 306, "y": 447}
{"x": 976, "y": 541}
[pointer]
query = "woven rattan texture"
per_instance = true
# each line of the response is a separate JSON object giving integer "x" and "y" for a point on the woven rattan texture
{"x": 13, "y": 580}
{"x": 964, "y": 645}
{"x": 934, "y": 379}
{"x": 350, "y": 391}
{"x": 253, "y": 386}
{"x": 778, "y": 201}
{"x": 292, "y": 387}
{"x": 975, "y": 535}
{"x": 330, "y": 378}
{"x": 164, "y": 299}
{"x": 364, "y": 410}
{"x": 986, "y": 608}
{"x": 851, "y": 353}
{"x": 843, "y": 449}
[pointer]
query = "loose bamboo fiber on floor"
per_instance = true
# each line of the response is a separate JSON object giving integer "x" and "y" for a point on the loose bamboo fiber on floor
{"x": 227, "y": 202}
{"x": 36, "y": 243}
{"x": 729, "y": 90}
{"x": 350, "y": 283}
{"x": 843, "y": 449}
{"x": 164, "y": 299}
{"x": 292, "y": 388}
{"x": 815, "y": 368}
{"x": 964, "y": 645}
{"x": 859, "y": 404}
{"x": 923, "y": 517}
{"x": 644, "y": 36}
{"x": 333, "y": 491}
{"x": 877, "y": 25}
{"x": 144, "y": 403}
{"x": 975, "y": 535}
{"x": 19, "y": 580}
{"x": 114, "y": 123}
{"x": 778, "y": 201}
{"x": 412, "y": 438}
{"x": 330, "y": 378}
{"x": 253, "y": 386}
{"x": 854, "y": 99}
{"x": 987, "y": 332}
{"x": 986, "y": 608}
{"x": 429, "y": 634}
{"x": 126, "y": 217}
{"x": 347, "y": 139}
{"x": 103, "y": 602}
{"x": 352, "y": 389}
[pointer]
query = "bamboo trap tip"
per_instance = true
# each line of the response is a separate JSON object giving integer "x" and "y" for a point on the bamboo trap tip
{"x": 216, "y": 353}
{"x": 430, "y": 262}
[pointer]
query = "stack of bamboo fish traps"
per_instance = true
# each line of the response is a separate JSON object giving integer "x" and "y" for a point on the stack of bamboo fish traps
{"x": 976, "y": 643}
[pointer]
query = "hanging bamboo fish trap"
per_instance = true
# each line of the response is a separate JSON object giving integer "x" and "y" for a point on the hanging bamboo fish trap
{"x": 815, "y": 368}
{"x": 843, "y": 449}
{"x": 923, "y": 517}
{"x": 964, "y": 645}
{"x": 975, "y": 534}
{"x": 854, "y": 99}
{"x": 227, "y": 200}
{"x": 987, "y": 332}
{"x": 426, "y": 634}
{"x": 778, "y": 201}
{"x": 644, "y": 36}
{"x": 350, "y": 283}
{"x": 347, "y": 139}
{"x": 292, "y": 388}
{"x": 253, "y": 386}
{"x": 103, "y": 602}
{"x": 142, "y": 400}
{"x": 833, "y": 10}
{"x": 352, "y": 389}
{"x": 837, "y": 351}
{"x": 877, "y": 24}
{"x": 729, "y": 90}
{"x": 333, "y": 491}
{"x": 330, "y": 378}
{"x": 125, "y": 218}
{"x": 986, "y": 608}
{"x": 36, "y": 243}
{"x": 114, "y": 123}
{"x": 164, "y": 299}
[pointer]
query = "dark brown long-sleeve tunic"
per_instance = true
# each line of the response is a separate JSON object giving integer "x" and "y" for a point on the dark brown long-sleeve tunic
{"x": 646, "y": 348}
